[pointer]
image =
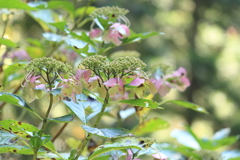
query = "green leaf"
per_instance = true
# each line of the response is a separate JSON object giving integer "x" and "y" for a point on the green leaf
{"x": 214, "y": 144}
{"x": 16, "y": 100}
{"x": 139, "y": 36}
{"x": 18, "y": 128}
{"x": 106, "y": 157}
{"x": 13, "y": 72}
{"x": 108, "y": 132}
{"x": 35, "y": 142}
{"x": 83, "y": 103}
{"x": 150, "y": 126}
{"x": 122, "y": 144}
{"x": 142, "y": 103}
{"x": 186, "y": 151}
{"x": 81, "y": 10}
{"x": 7, "y": 42}
{"x": 63, "y": 119}
{"x": 68, "y": 6}
{"x": 186, "y": 105}
{"x": 7, "y": 137}
{"x": 15, "y": 4}
{"x": 14, "y": 148}
{"x": 59, "y": 25}
{"x": 83, "y": 37}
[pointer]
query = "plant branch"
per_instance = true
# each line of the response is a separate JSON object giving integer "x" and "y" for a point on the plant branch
{"x": 85, "y": 141}
{"x": 5, "y": 27}
{"x": 59, "y": 132}
{"x": 82, "y": 16}
{"x": 45, "y": 120}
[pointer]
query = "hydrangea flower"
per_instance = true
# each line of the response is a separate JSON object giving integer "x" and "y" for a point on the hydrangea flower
{"x": 177, "y": 80}
{"x": 116, "y": 32}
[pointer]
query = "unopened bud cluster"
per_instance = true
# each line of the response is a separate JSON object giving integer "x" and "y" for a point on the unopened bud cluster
{"x": 48, "y": 65}
{"x": 120, "y": 65}
{"x": 109, "y": 12}
{"x": 124, "y": 54}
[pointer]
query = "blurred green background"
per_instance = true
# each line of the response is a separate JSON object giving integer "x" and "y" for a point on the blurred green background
{"x": 199, "y": 35}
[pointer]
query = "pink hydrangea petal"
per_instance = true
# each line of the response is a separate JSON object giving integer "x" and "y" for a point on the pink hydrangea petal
{"x": 95, "y": 33}
{"x": 136, "y": 82}
{"x": 83, "y": 73}
{"x": 158, "y": 83}
{"x": 40, "y": 86}
{"x": 111, "y": 82}
{"x": 120, "y": 82}
{"x": 160, "y": 156}
{"x": 180, "y": 72}
{"x": 152, "y": 88}
{"x": 124, "y": 31}
{"x": 184, "y": 84}
{"x": 92, "y": 79}
{"x": 33, "y": 79}
{"x": 163, "y": 90}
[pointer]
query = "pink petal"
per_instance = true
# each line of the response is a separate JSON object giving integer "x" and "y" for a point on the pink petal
{"x": 180, "y": 72}
{"x": 32, "y": 79}
{"x": 124, "y": 31}
{"x": 111, "y": 82}
{"x": 40, "y": 86}
{"x": 163, "y": 90}
{"x": 160, "y": 156}
{"x": 92, "y": 79}
{"x": 83, "y": 73}
{"x": 184, "y": 84}
{"x": 136, "y": 82}
{"x": 95, "y": 33}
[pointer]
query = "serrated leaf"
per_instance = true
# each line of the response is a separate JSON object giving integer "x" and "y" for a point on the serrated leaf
{"x": 84, "y": 102}
{"x": 186, "y": 105}
{"x": 59, "y": 25}
{"x": 20, "y": 129}
{"x": 83, "y": 37}
{"x": 122, "y": 144}
{"x": 54, "y": 156}
{"x": 214, "y": 144}
{"x": 7, "y": 42}
{"x": 16, "y": 100}
{"x": 63, "y": 119}
{"x": 142, "y": 103}
{"x": 7, "y": 138}
{"x": 150, "y": 126}
{"x": 108, "y": 132}
{"x": 53, "y": 37}
{"x": 15, "y": 4}
{"x": 68, "y": 6}
{"x": 139, "y": 36}
{"x": 14, "y": 148}
{"x": 188, "y": 152}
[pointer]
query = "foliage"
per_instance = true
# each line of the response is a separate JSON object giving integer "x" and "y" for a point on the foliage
{"x": 99, "y": 87}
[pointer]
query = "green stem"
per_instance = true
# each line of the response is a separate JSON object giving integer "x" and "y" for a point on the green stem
{"x": 45, "y": 120}
{"x": 82, "y": 16}
{"x": 85, "y": 142}
{"x": 5, "y": 27}
{"x": 35, "y": 155}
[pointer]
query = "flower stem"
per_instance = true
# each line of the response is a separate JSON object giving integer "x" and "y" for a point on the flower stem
{"x": 45, "y": 120}
{"x": 85, "y": 142}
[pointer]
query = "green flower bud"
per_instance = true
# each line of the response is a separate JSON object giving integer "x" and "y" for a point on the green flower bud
{"x": 109, "y": 12}
{"x": 48, "y": 65}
